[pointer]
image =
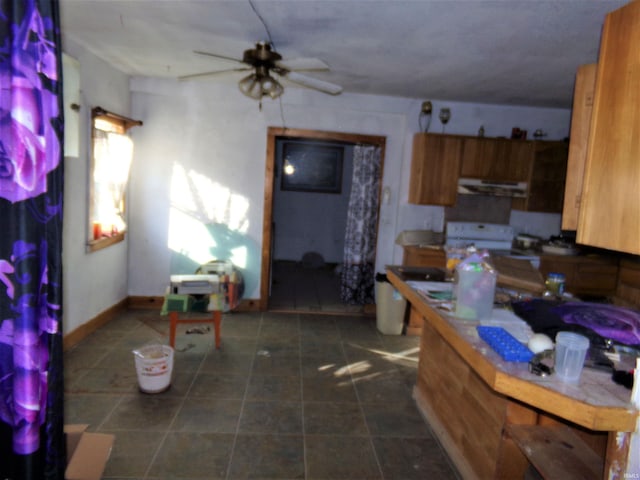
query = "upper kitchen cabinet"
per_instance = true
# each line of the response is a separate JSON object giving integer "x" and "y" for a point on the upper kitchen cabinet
{"x": 610, "y": 208}
{"x": 434, "y": 169}
{"x": 546, "y": 178}
{"x": 496, "y": 159}
{"x": 580, "y": 122}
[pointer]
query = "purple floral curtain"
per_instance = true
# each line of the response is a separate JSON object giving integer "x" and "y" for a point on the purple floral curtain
{"x": 31, "y": 176}
{"x": 357, "y": 280}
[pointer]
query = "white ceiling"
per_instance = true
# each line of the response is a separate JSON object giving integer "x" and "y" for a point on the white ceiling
{"x": 518, "y": 52}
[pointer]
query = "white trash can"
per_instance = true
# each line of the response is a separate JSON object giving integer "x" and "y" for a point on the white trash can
{"x": 390, "y": 307}
{"x": 154, "y": 365}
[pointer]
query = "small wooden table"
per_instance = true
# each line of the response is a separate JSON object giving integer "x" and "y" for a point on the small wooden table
{"x": 216, "y": 318}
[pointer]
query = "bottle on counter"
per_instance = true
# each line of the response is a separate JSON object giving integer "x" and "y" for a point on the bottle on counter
{"x": 554, "y": 284}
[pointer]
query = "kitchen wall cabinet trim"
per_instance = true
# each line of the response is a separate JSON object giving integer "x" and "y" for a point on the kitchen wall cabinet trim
{"x": 580, "y": 123}
{"x": 610, "y": 208}
{"x": 438, "y": 162}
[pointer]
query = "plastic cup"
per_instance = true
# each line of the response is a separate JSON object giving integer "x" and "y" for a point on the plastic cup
{"x": 571, "y": 350}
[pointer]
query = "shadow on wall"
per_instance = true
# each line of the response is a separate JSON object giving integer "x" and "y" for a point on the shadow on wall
{"x": 223, "y": 244}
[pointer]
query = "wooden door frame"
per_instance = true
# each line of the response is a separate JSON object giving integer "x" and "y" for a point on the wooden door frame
{"x": 272, "y": 134}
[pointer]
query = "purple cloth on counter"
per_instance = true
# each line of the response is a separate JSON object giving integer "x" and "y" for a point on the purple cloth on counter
{"x": 616, "y": 323}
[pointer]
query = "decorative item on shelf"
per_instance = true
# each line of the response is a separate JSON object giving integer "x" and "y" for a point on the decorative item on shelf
{"x": 481, "y": 131}
{"x": 425, "y": 116}
{"x": 518, "y": 134}
{"x": 539, "y": 133}
{"x": 445, "y": 116}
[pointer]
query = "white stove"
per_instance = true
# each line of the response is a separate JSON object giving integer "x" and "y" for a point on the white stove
{"x": 494, "y": 237}
{"x": 489, "y": 236}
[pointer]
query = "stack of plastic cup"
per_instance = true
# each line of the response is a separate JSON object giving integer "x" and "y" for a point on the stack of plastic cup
{"x": 571, "y": 350}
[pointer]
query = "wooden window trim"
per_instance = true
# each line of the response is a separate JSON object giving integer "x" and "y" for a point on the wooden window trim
{"x": 125, "y": 123}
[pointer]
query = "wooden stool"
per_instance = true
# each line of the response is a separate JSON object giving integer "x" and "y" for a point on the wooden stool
{"x": 216, "y": 317}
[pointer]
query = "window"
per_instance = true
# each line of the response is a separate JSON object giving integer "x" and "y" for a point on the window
{"x": 112, "y": 153}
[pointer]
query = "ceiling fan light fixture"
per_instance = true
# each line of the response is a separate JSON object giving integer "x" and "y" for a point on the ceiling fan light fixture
{"x": 251, "y": 86}
{"x": 271, "y": 87}
{"x": 259, "y": 84}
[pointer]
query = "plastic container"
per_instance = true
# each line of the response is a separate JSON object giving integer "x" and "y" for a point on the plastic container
{"x": 571, "y": 350}
{"x": 390, "y": 307}
{"x": 154, "y": 365}
{"x": 474, "y": 288}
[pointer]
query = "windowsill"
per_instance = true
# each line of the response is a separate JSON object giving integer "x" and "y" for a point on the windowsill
{"x": 95, "y": 245}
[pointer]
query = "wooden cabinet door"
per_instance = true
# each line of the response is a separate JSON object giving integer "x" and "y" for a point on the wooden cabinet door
{"x": 496, "y": 159}
{"x": 435, "y": 166}
{"x": 519, "y": 155}
{"x": 610, "y": 209}
{"x": 549, "y": 171}
{"x": 580, "y": 122}
{"x": 477, "y": 155}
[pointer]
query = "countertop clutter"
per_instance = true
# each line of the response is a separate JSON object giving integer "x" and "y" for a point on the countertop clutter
{"x": 471, "y": 396}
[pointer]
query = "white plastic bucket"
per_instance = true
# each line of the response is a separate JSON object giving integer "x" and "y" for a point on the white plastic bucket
{"x": 154, "y": 364}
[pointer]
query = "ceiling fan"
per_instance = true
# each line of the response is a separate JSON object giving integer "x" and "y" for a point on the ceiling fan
{"x": 263, "y": 61}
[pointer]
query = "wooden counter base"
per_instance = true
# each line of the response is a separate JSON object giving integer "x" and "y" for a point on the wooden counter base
{"x": 470, "y": 404}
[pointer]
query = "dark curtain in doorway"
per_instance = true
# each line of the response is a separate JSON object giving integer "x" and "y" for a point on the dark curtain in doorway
{"x": 31, "y": 177}
{"x": 357, "y": 280}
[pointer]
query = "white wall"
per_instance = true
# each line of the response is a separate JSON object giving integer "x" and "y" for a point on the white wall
{"x": 200, "y": 159}
{"x": 211, "y": 132}
{"x": 92, "y": 282}
{"x": 310, "y": 221}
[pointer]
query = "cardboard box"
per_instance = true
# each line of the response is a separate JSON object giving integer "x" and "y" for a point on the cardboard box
{"x": 87, "y": 453}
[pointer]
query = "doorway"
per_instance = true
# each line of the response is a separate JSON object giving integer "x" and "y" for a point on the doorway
{"x": 273, "y": 136}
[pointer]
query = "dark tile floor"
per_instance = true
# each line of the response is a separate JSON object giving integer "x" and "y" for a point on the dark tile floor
{"x": 288, "y": 396}
{"x": 299, "y": 288}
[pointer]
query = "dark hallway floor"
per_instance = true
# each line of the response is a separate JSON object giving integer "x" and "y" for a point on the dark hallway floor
{"x": 288, "y": 396}
{"x": 304, "y": 289}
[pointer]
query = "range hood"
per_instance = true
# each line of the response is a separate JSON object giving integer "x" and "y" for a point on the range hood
{"x": 476, "y": 186}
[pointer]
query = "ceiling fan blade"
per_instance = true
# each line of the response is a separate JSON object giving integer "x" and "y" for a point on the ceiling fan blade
{"x": 299, "y": 64}
{"x": 314, "y": 83}
{"x": 214, "y": 73}
{"x": 215, "y": 55}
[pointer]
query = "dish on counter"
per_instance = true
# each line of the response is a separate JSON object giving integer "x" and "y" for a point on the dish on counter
{"x": 559, "y": 250}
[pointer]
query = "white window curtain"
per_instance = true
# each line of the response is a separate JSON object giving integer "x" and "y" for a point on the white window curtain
{"x": 113, "y": 153}
{"x": 357, "y": 279}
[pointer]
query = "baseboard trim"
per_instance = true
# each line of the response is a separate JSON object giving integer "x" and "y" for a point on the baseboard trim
{"x": 74, "y": 337}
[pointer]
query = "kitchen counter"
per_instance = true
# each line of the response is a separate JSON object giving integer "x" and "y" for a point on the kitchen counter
{"x": 470, "y": 397}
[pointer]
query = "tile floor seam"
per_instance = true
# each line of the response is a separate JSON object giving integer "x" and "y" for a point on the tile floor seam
{"x": 175, "y": 415}
{"x": 304, "y": 432}
{"x": 108, "y": 416}
{"x": 364, "y": 416}
{"x": 243, "y": 403}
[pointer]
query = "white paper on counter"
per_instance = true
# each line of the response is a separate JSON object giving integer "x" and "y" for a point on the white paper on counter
{"x": 428, "y": 289}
